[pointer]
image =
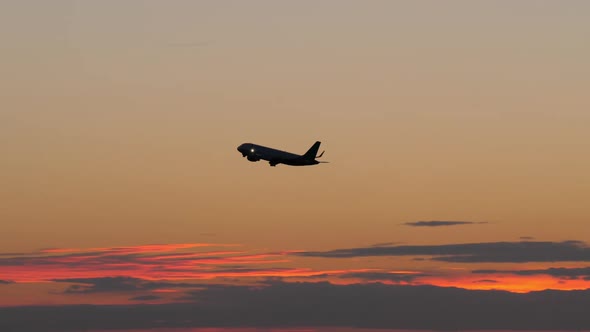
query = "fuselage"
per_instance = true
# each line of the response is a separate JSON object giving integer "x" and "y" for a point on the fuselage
{"x": 255, "y": 152}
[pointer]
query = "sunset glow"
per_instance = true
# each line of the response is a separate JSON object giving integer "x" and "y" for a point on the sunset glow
{"x": 179, "y": 264}
{"x": 446, "y": 178}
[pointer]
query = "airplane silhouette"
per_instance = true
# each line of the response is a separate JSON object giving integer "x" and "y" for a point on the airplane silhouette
{"x": 274, "y": 157}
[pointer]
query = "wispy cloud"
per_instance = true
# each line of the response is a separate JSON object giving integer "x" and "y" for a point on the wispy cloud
{"x": 109, "y": 268}
{"x": 487, "y": 252}
{"x": 561, "y": 272}
{"x": 119, "y": 284}
{"x": 385, "y": 276}
{"x": 384, "y": 244}
{"x": 151, "y": 262}
{"x": 170, "y": 270}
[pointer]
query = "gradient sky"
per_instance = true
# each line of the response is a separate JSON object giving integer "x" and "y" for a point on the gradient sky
{"x": 119, "y": 122}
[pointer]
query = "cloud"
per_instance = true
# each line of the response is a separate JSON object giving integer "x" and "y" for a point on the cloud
{"x": 191, "y": 261}
{"x": 118, "y": 284}
{"x": 146, "y": 298}
{"x": 293, "y": 305}
{"x": 437, "y": 223}
{"x": 559, "y": 272}
{"x": 486, "y": 281}
{"x": 384, "y": 244}
{"x": 125, "y": 272}
{"x": 136, "y": 268}
{"x": 5, "y": 282}
{"x": 487, "y": 252}
{"x": 397, "y": 277}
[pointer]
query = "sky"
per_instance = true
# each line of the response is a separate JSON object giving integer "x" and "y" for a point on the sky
{"x": 456, "y": 131}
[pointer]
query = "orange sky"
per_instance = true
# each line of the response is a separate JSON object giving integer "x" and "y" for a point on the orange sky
{"x": 119, "y": 123}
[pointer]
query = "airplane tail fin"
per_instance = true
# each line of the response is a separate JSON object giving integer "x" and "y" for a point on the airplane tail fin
{"x": 313, "y": 151}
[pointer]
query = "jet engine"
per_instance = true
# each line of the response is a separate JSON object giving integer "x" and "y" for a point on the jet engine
{"x": 253, "y": 158}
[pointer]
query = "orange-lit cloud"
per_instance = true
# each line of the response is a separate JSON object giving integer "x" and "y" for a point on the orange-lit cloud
{"x": 150, "y": 262}
{"x": 164, "y": 270}
{"x": 515, "y": 284}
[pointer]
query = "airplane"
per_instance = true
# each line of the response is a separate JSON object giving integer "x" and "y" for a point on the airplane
{"x": 274, "y": 157}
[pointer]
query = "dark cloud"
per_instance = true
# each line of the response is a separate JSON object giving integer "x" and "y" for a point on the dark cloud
{"x": 384, "y": 244}
{"x": 559, "y": 272}
{"x": 105, "y": 284}
{"x": 145, "y": 298}
{"x": 485, "y": 281}
{"x": 5, "y": 282}
{"x": 497, "y": 252}
{"x": 372, "y": 305}
{"x": 438, "y": 223}
{"x": 118, "y": 284}
{"x": 383, "y": 276}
